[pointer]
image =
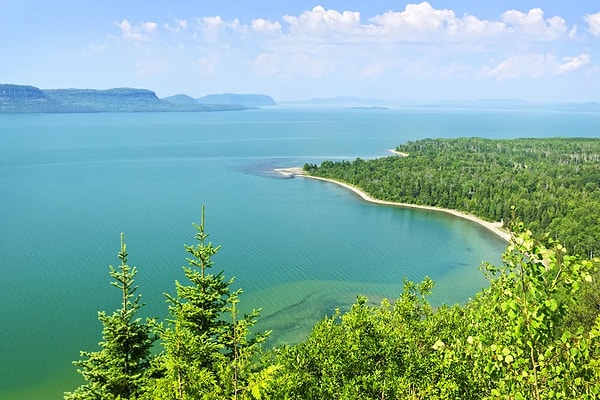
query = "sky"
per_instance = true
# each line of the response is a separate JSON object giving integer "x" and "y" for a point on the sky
{"x": 542, "y": 51}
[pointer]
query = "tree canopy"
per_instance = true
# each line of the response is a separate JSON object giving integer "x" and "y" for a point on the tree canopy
{"x": 121, "y": 369}
{"x": 554, "y": 184}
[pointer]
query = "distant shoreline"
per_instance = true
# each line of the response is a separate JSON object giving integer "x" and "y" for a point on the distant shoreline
{"x": 494, "y": 227}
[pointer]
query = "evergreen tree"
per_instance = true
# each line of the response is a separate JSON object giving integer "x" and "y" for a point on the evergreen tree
{"x": 205, "y": 356}
{"x": 120, "y": 370}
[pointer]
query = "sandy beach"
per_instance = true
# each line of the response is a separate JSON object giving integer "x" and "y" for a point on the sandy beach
{"x": 495, "y": 227}
{"x": 398, "y": 153}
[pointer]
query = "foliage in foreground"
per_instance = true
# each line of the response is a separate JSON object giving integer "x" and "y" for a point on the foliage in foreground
{"x": 207, "y": 349}
{"x": 509, "y": 342}
{"x": 121, "y": 369}
{"x": 208, "y": 352}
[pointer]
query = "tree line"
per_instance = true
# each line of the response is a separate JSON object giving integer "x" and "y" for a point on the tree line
{"x": 553, "y": 184}
{"x": 529, "y": 335}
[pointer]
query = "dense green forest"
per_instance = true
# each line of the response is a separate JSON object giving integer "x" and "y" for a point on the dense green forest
{"x": 534, "y": 333}
{"x": 553, "y": 184}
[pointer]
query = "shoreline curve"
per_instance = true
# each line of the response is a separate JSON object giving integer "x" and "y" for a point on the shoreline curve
{"x": 494, "y": 227}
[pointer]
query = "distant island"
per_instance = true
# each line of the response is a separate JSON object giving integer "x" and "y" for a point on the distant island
{"x": 248, "y": 100}
{"x": 30, "y": 99}
{"x": 367, "y": 108}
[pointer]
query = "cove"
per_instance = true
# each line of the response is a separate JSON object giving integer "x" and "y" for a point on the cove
{"x": 70, "y": 183}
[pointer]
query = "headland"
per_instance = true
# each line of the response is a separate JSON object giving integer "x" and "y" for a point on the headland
{"x": 495, "y": 227}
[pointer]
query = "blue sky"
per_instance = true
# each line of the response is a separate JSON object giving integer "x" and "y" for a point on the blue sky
{"x": 436, "y": 50}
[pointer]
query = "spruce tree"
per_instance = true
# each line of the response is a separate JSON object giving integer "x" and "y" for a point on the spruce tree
{"x": 121, "y": 369}
{"x": 205, "y": 355}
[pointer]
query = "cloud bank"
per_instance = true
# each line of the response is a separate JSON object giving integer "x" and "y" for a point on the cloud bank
{"x": 417, "y": 42}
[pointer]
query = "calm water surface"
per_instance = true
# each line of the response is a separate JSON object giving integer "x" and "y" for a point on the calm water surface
{"x": 69, "y": 184}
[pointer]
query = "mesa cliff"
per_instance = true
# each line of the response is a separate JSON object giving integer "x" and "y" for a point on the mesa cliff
{"x": 30, "y": 99}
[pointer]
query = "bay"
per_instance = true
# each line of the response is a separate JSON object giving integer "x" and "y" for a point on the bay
{"x": 70, "y": 183}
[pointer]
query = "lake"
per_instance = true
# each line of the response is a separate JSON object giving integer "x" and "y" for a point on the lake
{"x": 70, "y": 183}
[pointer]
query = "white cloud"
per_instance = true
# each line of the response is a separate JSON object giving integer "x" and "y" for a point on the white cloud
{"x": 418, "y": 41}
{"x": 574, "y": 63}
{"x": 138, "y": 32}
{"x": 536, "y": 66}
{"x": 528, "y": 65}
{"x": 214, "y": 29}
{"x": 319, "y": 22}
{"x": 424, "y": 23}
{"x": 211, "y": 27}
{"x": 266, "y": 27}
{"x": 473, "y": 27}
{"x": 573, "y": 32}
{"x": 218, "y": 24}
{"x": 214, "y": 22}
{"x": 178, "y": 26}
{"x": 421, "y": 23}
{"x": 593, "y": 21}
{"x": 533, "y": 24}
{"x": 416, "y": 20}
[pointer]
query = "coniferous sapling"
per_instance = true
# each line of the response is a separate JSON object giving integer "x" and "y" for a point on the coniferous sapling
{"x": 120, "y": 370}
{"x": 203, "y": 351}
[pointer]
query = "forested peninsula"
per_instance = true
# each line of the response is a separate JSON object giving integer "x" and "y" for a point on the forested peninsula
{"x": 552, "y": 185}
{"x": 533, "y": 333}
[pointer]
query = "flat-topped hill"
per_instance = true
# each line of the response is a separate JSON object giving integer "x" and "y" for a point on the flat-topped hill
{"x": 30, "y": 99}
{"x": 181, "y": 99}
{"x": 248, "y": 100}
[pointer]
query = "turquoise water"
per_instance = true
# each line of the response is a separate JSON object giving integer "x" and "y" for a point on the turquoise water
{"x": 69, "y": 184}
